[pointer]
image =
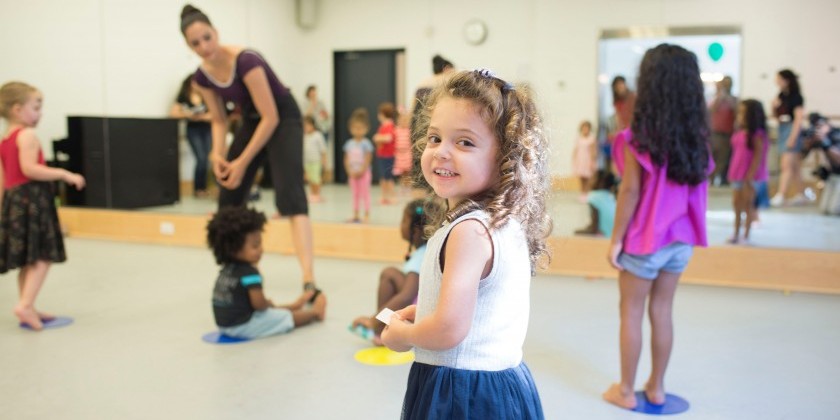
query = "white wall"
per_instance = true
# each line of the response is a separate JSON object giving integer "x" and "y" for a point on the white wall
{"x": 126, "y": 58}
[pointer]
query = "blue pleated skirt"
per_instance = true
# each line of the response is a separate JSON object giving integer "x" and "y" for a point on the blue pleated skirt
{"x": 439, "y": 392}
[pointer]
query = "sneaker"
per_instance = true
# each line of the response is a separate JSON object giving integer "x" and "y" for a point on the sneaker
{"x": 810, "y": 194}
{"x": 800, "y": 200}
{"x": 777, "y": 201}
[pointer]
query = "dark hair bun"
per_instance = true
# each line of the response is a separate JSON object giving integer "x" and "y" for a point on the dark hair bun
{"x": 188, "y": 10}
{"x": 190, "y": 15}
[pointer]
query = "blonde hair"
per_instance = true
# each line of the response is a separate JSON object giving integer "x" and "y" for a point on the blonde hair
{"x": 523, "y": 181}
{"x": 14, "y": 93}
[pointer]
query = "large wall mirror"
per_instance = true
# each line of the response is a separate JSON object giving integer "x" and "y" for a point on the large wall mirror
{"x": 108, "y": 58}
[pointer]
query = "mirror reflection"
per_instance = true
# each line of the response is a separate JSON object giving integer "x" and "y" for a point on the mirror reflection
{"x": 120, "y": 71}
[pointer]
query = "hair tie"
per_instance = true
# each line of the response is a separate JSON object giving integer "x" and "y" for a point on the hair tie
{"x": 418, "y": 210}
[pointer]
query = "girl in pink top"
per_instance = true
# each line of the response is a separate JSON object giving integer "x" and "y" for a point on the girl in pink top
{"x": 30, "y": 236}
{"x": 748, "y": 165}
{"x": 664, "y": 161}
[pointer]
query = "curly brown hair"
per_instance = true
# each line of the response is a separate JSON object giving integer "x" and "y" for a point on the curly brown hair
{"x": 227, "y": 230}
{"x": 523, "y": 182}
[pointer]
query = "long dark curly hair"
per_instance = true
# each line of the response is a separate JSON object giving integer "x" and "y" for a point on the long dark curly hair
{"x": 669, "y": 121}
{"x": 228, "y": 228}
{"x": 792, "y": 81}
{"x": 523, "y": 185}
{"x": 754, "y": 119}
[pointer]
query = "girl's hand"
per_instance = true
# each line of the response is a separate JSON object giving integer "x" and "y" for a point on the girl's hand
{"x": 235, "y": 172}
{"x": 408, "y": 313}
{"x": 395, "y": 336}
{"x": 612, "y": 255}
{"x": 75, "y": 180}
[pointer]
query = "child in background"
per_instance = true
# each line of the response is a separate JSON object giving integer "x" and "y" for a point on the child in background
{"x": 240, "y": 308}
{"x": 398, "y": 287}
{"x": 485, "y": 153}
{"x": 385, "y": 139}
{"x": 358, "y": 153}
{"x": 601, "y": 205}
{"x": 402, "y": 150}
{"x": 314, "y": 157}
{"x": 748, "y": 165}
{"x": 30, "y": 235}
{"x": 664, "y": 161}
{"x": 584, "y": 157}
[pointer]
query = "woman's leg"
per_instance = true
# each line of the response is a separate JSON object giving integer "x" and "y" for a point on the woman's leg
{"x": 785, "y": 176}
{"x": 634, "y": 292}
{"x": 285, "y": 157}
{"x": 660, "y": 310}
{"x": 199, "y": 140}
{"x": 797, "y": 184}
{"x": 34, "y": 277}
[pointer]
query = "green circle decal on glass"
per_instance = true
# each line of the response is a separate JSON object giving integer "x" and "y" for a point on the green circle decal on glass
{"x": 715, "y": 51}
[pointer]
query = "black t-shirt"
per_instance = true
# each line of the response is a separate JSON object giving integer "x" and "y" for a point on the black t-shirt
{"x": 199, "y": 108}
{"x": 231, "y": 303}
{"x": 787, "y": 103}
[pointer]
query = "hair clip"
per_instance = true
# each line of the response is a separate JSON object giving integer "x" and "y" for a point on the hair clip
{"x": 487, "y": 73}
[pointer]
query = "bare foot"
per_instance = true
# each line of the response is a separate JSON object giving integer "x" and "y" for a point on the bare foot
{"x": 45, "y": 316}
{"x": 320, "y": 306}
{"x": 29, "y": 317}
{"x": 364, "y": 321}
{"x": 614, "y": 395}
{"x": 654, "y": 396}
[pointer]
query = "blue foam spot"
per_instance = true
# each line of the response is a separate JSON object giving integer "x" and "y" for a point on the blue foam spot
{"x": 673, "y": 405}
{"x": 57, "y": 322}
{"x": 216, "y": 337}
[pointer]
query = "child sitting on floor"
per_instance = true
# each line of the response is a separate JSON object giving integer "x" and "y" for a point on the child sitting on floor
{"x": 239, "y": 305}
{"x": 601, "y": 205}
{"x": 398, "y": 288}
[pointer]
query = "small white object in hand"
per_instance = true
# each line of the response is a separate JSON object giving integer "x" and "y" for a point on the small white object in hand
{"x": 385, "y": 316}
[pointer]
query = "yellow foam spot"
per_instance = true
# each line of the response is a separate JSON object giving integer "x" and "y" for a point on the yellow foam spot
{"x": 383, "y": 356}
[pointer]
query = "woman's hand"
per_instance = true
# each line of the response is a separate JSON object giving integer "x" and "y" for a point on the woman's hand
{"x": 612, "y": 255}
{"x": 220, "y": 166}
{"x": 235, "y": 173}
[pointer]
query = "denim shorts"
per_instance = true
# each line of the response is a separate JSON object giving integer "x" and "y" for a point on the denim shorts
{"x": 784, "y": 132}
{"x": 671, "y": 258}
{"x": 271, "y": 321}
{"x": 757, "y": 185}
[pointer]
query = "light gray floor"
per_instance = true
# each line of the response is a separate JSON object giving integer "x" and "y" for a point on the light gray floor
{"x": 135, "y": 352}
{"x": 789, "y": 227}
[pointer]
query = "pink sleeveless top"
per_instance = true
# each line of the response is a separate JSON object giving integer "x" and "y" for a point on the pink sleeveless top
{"x": 667, "y": 212}
{"x": 742, "y": 157}
{"x": 10, "y": 154}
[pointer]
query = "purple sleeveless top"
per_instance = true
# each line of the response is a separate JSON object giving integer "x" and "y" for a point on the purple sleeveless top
{"x": 667, "y": 211}
{"x": 235, "y": 90}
